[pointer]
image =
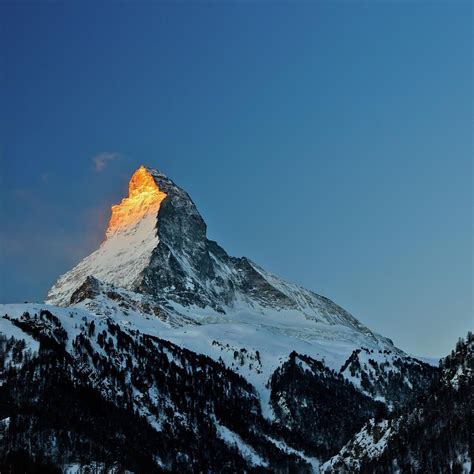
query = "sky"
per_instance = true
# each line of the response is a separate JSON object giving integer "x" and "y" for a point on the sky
{"x": 330, "y": 142}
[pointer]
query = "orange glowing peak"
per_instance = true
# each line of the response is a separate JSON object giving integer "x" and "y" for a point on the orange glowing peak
{"x": 144, "y": 198}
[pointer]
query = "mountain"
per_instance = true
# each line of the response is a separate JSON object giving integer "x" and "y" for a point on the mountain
{"x": 156, "y": 245}
{"x": 436, "y": 434}
{"x": 157, "y": 259}
{"x": 160, "y": 352}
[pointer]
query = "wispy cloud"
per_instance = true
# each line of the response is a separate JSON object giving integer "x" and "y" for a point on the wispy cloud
{"x": 101, "y": 160}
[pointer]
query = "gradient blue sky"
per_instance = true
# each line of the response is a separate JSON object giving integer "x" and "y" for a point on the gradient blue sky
{"x": 328, "y": 141}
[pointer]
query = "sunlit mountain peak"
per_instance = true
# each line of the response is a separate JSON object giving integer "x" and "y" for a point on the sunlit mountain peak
{"x": 144, "y": 198}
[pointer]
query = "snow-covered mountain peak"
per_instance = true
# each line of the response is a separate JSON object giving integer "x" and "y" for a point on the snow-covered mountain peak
{"x": 132, "y": 235}
{"x": 157, "y": 252}
{"x": 144, "y": 197}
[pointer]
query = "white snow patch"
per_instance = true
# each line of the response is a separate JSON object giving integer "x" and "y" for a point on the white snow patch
{"x": 9, "y": 330}
{"x": 313, "y": 462}
{"x": 245, "y": 450}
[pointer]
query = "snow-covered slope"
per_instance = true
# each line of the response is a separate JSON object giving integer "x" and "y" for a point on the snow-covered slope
{"x": 388, "y": 376}
{"x": 249, "y": 342}
{"x": 97, "y": 391}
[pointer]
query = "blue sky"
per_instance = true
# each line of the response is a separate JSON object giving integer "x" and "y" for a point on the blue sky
{"x": 331, "y": 142}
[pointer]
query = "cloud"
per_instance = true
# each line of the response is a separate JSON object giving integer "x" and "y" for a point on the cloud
{"x": 101, "y": 160}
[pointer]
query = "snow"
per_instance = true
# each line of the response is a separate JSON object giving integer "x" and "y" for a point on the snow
{"x": 72, "y": 468}
{"x": 313, "y": 462}
{"x": 311, "y": 305}
{"x": 386, "y": 363}
{"x": 467, "y": 466}
{"x": 261, "y": 348}
{"x": 273, "y": 345}
{"x": 248, "y": 342}
{"x": 5, "y": 423}
{"x": 8, "y": 329}
{"x": 119, "y": 260}
{"x": 461, "y": 373}
{"x": 94, "y": 466}
{"x": 233, "y": 439}
{"x": 368, "y": 443}
{"x": 272, "y": 334}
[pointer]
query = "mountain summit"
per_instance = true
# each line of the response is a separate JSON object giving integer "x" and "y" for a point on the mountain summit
{"x": 144, "y": 197}
{"x": 157, "y": 220}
